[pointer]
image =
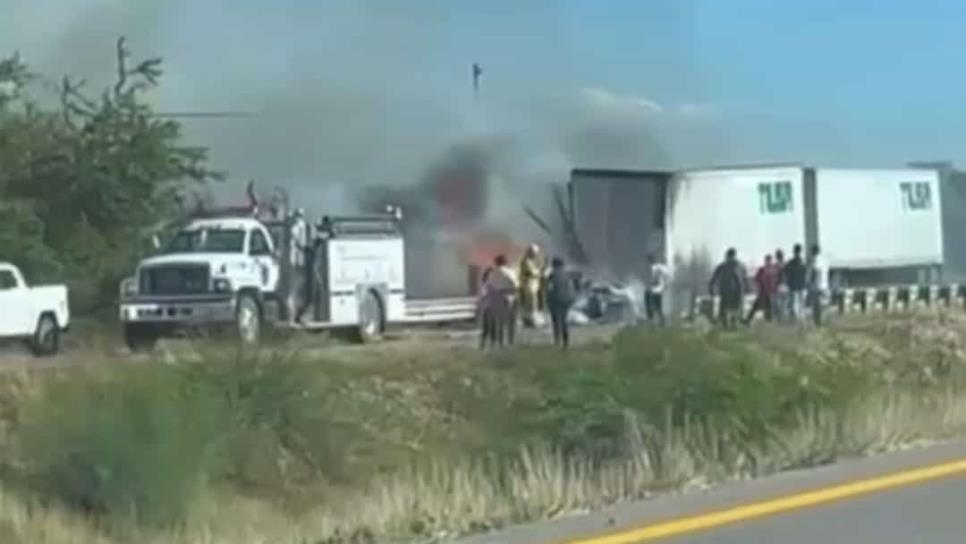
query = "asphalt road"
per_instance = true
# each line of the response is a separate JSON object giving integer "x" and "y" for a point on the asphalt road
{"x": 897, "y": 498}
{"x": 930, "y": 513}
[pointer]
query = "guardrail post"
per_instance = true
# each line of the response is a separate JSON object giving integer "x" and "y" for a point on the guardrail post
{"x": 944, "y": 295}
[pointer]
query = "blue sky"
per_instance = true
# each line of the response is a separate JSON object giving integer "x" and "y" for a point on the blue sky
{"x": 689, "y": 82}
{"x": 858, "y": 82}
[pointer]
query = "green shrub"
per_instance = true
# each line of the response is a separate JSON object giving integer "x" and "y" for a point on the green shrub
{"x": 132, "y": 442}
{"x": 585, "y": 410}
{"x": 279, "y": 426}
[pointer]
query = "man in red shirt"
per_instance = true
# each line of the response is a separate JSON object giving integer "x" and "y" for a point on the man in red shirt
{"x": 766, "y": 284}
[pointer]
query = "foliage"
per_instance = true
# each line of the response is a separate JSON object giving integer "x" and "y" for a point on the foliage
{"x": 140, "y": 442}
{"x": 408, "y": 444}
{"x": 90, "y": 178}
{"x": 132, "y": 443}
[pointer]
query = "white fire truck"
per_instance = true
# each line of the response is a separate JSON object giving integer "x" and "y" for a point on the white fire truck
{"x": 232, "y": 270}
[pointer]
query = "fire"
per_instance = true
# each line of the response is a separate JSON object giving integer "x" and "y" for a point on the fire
{"x": 482, "y": 247}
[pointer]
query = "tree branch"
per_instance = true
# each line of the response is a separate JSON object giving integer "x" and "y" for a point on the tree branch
{"x": 122, "y": 55}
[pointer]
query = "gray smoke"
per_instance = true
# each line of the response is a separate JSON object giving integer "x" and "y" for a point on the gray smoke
{"x": 350, "y": 97}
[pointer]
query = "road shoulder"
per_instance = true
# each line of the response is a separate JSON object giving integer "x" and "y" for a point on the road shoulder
{"x": 628, "y": 516}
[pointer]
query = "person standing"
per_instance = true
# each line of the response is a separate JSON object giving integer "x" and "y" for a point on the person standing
{"x": 796, "y": 276}
{"x": 312, "y": 281}
{"x": 299, "y": 239}
{"x": 496, "y": 301}
{"x": 509, "y": 325}
{"x": 531, "y": 275}
{"x": 293, "y": 261}
{"x": 486, "y": 311}
{"x": 818, "y": 284}
{"x": 780, "y": 302}
{"x": 560, "y": 297}
{"x": 729, "y": 282}
{"x": 766, "y": 285}
{"x": 656, "y": 285}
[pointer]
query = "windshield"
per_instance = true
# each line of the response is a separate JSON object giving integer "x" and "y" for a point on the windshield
{"x": 208, "y": 241}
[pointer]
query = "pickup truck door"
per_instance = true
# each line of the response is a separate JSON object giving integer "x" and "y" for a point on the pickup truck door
{"x": 13, "y": 300}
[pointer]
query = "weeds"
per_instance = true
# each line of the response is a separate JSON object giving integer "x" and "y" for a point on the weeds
{"x": 130, "y": 443}
{"x": 284, "y": 448}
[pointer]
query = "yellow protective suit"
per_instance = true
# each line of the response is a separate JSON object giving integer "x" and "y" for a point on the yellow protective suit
{"x": 531, "y": 277}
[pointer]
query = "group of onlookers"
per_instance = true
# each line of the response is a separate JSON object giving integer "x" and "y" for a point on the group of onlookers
{"x": 507, "y": 295}
{"x": 785, "y": 291}
{"x": 791, "y": 291}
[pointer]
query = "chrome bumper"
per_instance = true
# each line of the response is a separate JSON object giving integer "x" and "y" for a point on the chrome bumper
{"x": 183, "y": 310}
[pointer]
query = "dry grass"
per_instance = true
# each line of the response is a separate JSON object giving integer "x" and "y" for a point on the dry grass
{"x": 445, "y": 499}
{"x": 430, "y": 444}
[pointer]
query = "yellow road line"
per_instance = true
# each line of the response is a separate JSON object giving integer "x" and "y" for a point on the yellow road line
{"x": 777, "y": 506}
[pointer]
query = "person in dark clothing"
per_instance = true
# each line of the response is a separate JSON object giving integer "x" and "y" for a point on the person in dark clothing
{"x": 560, "y": 297}
{"x": 796, "y": 277}
{"x": 487, "y": 322}
{"x": 311, "y": 281}
{"x": 766, "y": 285}
{"x": 729, "y": 282}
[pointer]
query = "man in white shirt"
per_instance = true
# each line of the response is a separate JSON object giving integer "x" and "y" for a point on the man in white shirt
{"x": 657, "y": 283}
{"x": 818, "y": 283}
{"x": 298, "y": 240}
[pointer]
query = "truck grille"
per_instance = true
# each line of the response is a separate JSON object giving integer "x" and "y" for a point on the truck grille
{"x": 175, "y": 279}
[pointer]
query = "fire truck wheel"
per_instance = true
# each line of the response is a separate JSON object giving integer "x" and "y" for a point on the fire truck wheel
{"x": 248, "y": 319}
{"x": 370, "y": 318}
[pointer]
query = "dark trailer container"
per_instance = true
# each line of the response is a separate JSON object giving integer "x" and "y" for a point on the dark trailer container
{"x": 619, "y": 216}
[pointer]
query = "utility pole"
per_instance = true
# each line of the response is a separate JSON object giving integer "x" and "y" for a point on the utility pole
{"x": 477, "y": 72}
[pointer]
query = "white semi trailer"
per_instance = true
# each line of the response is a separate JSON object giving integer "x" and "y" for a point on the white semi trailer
{"x": 874, "y": 226}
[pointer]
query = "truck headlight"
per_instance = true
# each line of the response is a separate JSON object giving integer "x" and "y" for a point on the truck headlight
{"x": 129, "y": 288}
{"x": 221, "y": 285}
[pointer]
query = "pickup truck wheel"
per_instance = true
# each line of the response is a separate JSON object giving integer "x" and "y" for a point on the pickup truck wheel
{"x": 248, "y": 319}
{"x": 46, "y": 340}
{"x": 370, "y": 318}
{"x": 140, "y": 338}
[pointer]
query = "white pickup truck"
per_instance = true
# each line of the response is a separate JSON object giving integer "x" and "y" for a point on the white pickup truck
{"x": 36, "y": 314}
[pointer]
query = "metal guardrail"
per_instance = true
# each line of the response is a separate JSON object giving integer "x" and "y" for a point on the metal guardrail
{"x": 438, "y": 310}
{"x": 870, "y": 299}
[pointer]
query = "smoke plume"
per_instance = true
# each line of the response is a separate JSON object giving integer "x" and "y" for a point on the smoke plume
{"x": 359, "y": 103}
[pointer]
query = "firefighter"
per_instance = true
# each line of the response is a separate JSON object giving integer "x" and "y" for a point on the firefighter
{"x": 531, "y": 276}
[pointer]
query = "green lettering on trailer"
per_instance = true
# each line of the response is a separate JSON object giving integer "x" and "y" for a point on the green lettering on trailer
{"x": 916, "y": 195}
{"x": 775, "y": 197}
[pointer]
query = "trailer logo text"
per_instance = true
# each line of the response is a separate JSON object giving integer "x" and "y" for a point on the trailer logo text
{"x": 775, "y": 197}
{"x": 916, "y": 195}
